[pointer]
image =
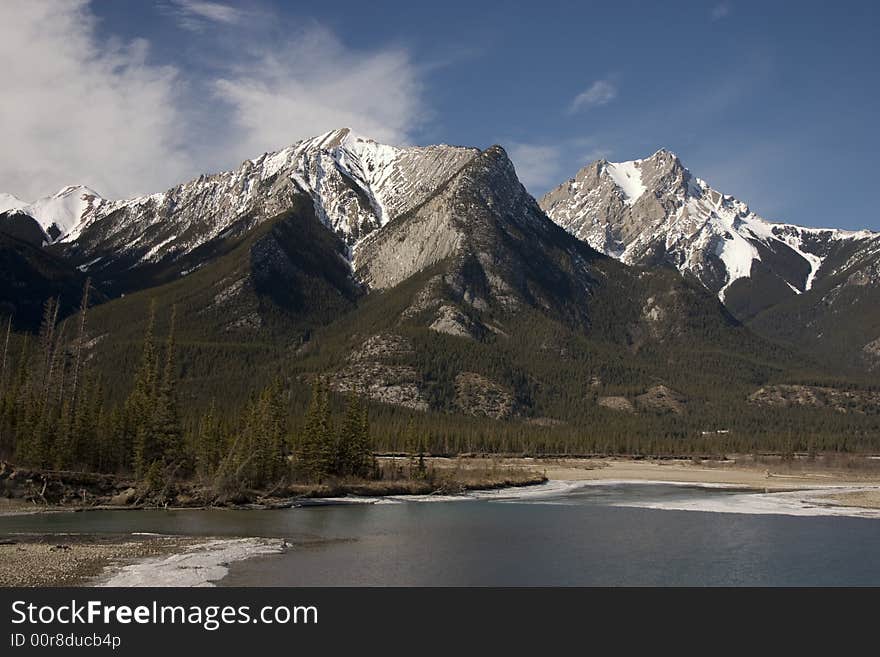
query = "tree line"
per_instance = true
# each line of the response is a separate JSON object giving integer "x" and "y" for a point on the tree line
{"x": 53, "y": 415}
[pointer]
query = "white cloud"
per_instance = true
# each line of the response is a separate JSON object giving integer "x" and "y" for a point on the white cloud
{"x": 76, "y": 111}
{"x": 81, "y": 109}
{"x": 537, "y": 166}
{"x": 601, "y": 92}
{"x": 313, "y": 84}
{"x": 195, "y": 14}
{"x": 719, "y": 12}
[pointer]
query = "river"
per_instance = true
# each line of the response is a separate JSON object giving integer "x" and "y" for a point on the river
{"x": 612, "y": 534}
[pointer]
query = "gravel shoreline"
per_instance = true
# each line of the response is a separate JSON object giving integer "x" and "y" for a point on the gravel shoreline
{"x": 77, "y": 559}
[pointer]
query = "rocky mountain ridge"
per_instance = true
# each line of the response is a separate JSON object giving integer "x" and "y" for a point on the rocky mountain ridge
{"x": 654, "y": 211}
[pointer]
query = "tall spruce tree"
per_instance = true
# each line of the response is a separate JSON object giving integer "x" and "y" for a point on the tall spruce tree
{"x": 318, "y": 452}
{"x": 166, "y": 428}
{"x": 355, "y": 452}
{"x": 138, "y": 434}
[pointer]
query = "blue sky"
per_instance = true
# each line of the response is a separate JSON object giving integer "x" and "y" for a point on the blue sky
{"x": 774, "y": 102}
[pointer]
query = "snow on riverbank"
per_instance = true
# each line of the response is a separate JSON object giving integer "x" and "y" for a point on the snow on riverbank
{"x": 199, "y": 565}
{"x": 810, "y": 502}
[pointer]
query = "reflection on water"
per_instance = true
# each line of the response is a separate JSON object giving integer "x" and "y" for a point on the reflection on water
{"x": 572, "y": 538}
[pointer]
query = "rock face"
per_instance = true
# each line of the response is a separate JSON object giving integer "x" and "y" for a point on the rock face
{"x": 654, "y": 211}
{"x": 452, "y": 321}
{"x": 373, "y": 371}
{"x": 477, "y": 395}
{"x": 496, "y": 247}
{"x": 355, "y": 184}
{"x": 871, "y": 353}
{"x": 844, "y": 401}
{"x": 616, "y": 403}
{"x": 661, "y": 399}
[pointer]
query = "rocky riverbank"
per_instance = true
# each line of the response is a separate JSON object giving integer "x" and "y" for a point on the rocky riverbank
{"x": 77, "y": 559}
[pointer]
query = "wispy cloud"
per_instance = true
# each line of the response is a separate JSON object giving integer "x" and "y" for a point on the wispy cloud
{"x": 719, "y": 12}
{"x": 89, "y": 109}
{"x": 80, "y": 111}
{"x": 197, "y": 14}
{"x": 286, "y": 91}
{"x": 601, "y": 92}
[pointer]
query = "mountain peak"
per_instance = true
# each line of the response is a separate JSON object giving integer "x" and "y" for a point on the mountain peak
{"x": 10, "y": 202}
{"x": 655, "y": 211}
{"x": 60, "y": 214}
{"x": 663, "y": 152}
{"x": 75, "y": 190}
{"x": 355, "y": 184}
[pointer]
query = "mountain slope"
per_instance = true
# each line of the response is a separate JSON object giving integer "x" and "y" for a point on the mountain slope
{"x": 16, "y": 223}
{"x": 838, "y": 320}
{"x": 654, "y": 211}
{"x": 480, "y": 305}
{"x": 29, "y": 276}
{"x": 811, "y": 288}
{"x": 58, "y": 215}
{"x": 258, "y": 296}
{"x": 475, "y": 266}
{"x": 355, "y": 186}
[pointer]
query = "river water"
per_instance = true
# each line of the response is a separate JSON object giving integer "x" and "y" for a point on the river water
{"x": 614, "y": 534}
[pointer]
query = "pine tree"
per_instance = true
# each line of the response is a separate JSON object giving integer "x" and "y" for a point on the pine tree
{"x": 328, "y": 445}
{"x": 167, "y": 432}
{"x": 208, "y": 442}
{"x": 274, "y": 432}
{"x": 349, "y": 457}
{"x": 369, "y": 462}
{"x": 138, "y": 434}
{"x": 317, "y": 446}
{"x": 356, "y": 454}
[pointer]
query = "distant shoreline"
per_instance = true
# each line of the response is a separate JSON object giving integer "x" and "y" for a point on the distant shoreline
{"x": 816, "y": 478}
{"x": 458, "y": 475}
{"x": 759, "y": 476}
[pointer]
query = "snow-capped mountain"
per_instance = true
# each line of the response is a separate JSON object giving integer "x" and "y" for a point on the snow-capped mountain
{"x": 654, "y": 211}
{"x": 356, "y": 185}
{"x": 58, "y": 215}
{"x": 10, "y": 202}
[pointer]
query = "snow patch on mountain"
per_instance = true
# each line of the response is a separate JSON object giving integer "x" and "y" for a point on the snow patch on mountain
{"x": 654, "y": 209}
{"x": 737, "y": 254}
{"x": 627, "y": 176}
{"x": 59, "y": 215}
{"x": 355, "y": 184}
{"x": 62, "y": 213}
{"x": 9, "y": 202}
